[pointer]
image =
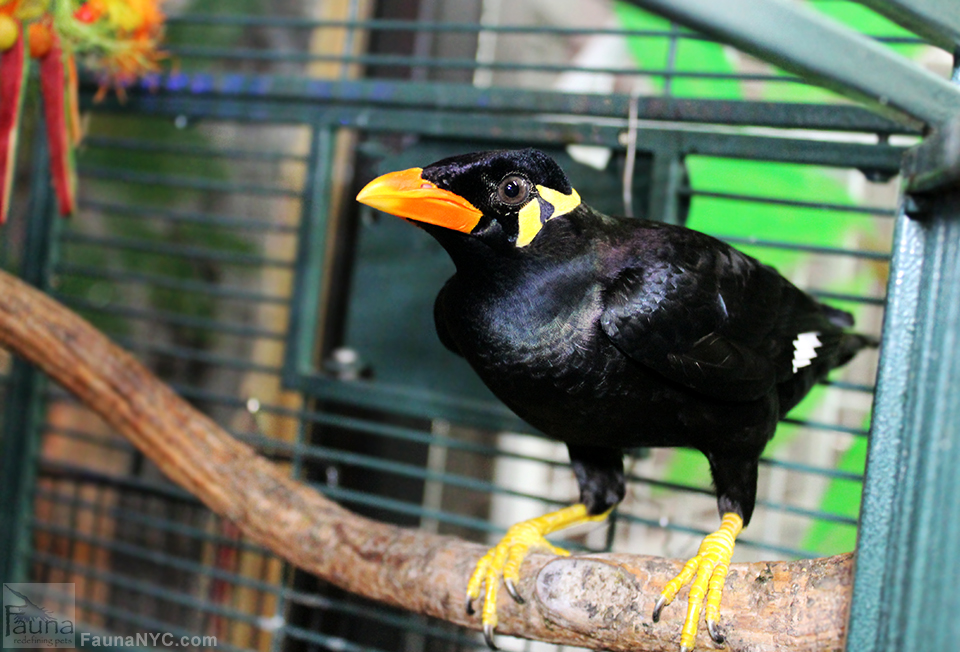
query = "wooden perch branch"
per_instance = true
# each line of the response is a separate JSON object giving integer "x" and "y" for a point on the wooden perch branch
{"x": 597, "y": 601}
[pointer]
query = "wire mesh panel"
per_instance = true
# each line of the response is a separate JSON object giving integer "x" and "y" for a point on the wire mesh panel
{"x": 218, "y": 240}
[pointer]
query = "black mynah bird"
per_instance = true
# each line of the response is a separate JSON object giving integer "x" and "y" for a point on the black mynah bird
{"x": 611, "y": 333}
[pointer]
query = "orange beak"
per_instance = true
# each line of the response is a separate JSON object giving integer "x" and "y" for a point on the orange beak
{"x": 407, "y": 194}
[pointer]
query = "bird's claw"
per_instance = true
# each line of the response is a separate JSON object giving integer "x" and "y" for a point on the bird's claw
{"x": 707, "y": 572}
{"x": 502, "y": 562}
{"x": 488, "y": 636}
{"x": 511, "y": 587}
{"x": 657, "y": 608}
{"x": 488, "y": 627}
{"x": 715, "y": 634}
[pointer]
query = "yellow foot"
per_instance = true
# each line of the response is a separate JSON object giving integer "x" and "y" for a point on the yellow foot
{"x": 504, "y": 559}
{"x": 710, "y": 567}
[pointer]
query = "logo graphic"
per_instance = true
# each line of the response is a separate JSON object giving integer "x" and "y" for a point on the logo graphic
{"x": 38, "y": 615}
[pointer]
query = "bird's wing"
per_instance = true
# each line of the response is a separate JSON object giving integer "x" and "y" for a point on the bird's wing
{"x": 701, "y": 316}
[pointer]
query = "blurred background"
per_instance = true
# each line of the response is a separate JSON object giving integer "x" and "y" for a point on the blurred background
{"x": 217, "y": 238}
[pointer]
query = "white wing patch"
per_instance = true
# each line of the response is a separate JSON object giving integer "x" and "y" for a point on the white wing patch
{"x": 805, "y": 350}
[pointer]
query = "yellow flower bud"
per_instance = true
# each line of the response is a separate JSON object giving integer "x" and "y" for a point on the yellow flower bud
{"x": 9, "y": 32}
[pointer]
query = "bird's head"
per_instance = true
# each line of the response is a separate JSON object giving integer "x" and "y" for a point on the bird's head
{"x": 501, "y": 197}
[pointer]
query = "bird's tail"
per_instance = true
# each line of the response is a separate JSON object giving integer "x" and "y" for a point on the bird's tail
{"x": 850, "y": 343}
{"x": 837, "y": 317}
{"x": 853, "y": 343}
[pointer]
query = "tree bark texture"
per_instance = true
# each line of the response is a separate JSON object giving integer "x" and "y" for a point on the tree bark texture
{"x": 595, "y": 601}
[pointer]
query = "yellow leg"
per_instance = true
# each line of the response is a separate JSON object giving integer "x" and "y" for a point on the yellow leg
{"x": 710, "y": 567}
{"x": 504, "y": 559}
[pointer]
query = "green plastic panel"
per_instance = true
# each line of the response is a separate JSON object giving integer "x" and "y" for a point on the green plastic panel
{"x": 821, "y": 50}
{"x": 936, "y": 20}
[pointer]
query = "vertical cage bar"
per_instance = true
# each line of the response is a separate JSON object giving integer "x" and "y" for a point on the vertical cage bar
{"x": 905, "y": 591}
{"x": 666, "y": 179}
{"x": 311, "y": 259}
{"x": 22, "y": 416}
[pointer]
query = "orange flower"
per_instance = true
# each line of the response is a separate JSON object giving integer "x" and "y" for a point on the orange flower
{"x": 40, "y": 39}
{"x": 8, "y": 7}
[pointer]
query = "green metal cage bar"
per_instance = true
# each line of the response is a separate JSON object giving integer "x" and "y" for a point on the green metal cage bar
{"x": 907, "y": 560}
{"x": 20, "y": 442}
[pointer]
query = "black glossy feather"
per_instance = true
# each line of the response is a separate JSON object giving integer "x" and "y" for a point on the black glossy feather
{"x": 611, "y": 333}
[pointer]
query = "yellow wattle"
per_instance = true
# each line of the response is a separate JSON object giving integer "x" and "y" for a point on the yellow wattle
{"x": 531, "y": 219}
{"x": 530, "y": 223}
{"x": 562, "y": 204}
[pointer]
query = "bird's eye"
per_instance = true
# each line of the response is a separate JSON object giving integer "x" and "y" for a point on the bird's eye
{"x": 513, "y": 190}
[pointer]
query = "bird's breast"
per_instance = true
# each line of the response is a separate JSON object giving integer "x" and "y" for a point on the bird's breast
{"x": 539, "y": 347}
{"x": 535, "y": 336}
